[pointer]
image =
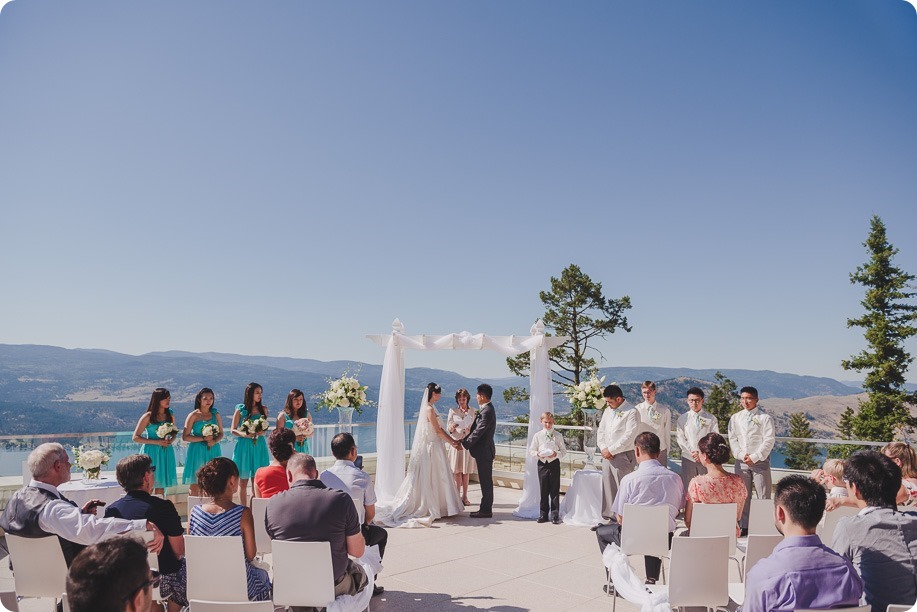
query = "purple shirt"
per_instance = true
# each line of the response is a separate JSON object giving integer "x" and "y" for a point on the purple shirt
{"x": 801, "y": 573}
{"x": 651, "y": 485}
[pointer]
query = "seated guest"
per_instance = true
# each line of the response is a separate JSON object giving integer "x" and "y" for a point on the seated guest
{"x": 801, "y": 573}
{"x": 272, "y": 479}
{"x": 135, "y": 475}
{"x": 219, "y": 478}
{"x": 904, "y": 457}
{"x": 111, "y": 576}
{"x": 880, "y": 541}
{"x": 717, "y": 486}
{"x": 311, "y": 512}
{"x": 650, "y": 485}
{"x": 345, "y": 476}
{"x": 39, "y": 510}
{"x": 831, "y": 476}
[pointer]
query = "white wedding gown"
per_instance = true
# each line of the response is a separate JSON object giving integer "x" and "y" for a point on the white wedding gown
{"x": 428, "y": 491}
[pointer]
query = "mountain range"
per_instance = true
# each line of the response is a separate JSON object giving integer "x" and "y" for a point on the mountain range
{"x": 46, "y": 389}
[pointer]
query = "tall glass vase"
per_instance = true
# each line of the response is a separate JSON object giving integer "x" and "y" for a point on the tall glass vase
{"x": 589, "y": 438}
{"x": 345, "y": 419}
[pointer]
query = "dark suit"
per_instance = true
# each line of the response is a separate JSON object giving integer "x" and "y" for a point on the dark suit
{"x": 480, "y": 443}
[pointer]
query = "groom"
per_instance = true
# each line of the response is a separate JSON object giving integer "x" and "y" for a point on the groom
{"x": 480, "y": 443}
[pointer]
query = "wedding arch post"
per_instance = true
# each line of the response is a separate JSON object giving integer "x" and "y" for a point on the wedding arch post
{"x": 390, "y": 441}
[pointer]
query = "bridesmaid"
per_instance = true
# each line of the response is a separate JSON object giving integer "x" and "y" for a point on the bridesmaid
{"x": 293, "y": 410}
{"x": 201, "y": 448}
{"x": 159, "y": 450}
{"x": 251, "y": 449}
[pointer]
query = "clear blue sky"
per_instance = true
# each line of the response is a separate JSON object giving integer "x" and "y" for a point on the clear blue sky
{"x": 282, "y": 178}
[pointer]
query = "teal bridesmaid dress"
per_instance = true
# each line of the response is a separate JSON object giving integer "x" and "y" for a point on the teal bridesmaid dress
{"x": 299, "y": 447}
{"x": 249, "y": 454}
{"x": 198, "y": 454}
{"x": 163, "y": 457}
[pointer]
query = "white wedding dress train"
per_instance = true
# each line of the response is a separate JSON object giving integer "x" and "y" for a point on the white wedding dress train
{"x": 428, "y": 491}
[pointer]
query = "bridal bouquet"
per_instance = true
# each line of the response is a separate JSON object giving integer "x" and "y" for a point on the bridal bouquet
{"x": 210, "y": 430}
{"x": 344, "y": 392}
{"x": 251, "y": 426}
{"x": 587, "y": 394}
{"x": 303, "y": 427}
{"x": 90, "y": 460}
{"x": 166, "y": 430}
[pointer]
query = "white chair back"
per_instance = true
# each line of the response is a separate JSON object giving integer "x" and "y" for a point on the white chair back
{"x": 224, "y": 606}
{"x": 856, "y": 609}
{"x": 826, "y": 530}
{"x": 193, "y": 500}
{"x": 152, "y": 560}
{"x": 303, "y": 575}
{"x": 894, "y": 608}
{"x": 710, "y": 520}
{"x": 699, "y": 571}
{"x": 262, "y": 539}
{"x": 64, "y": 603}
{"x": 26, "y": 474}
{"x": 759, "y": 547}
{"x": 216, "y": 568}
{"x": 39, "y": 569}
{"x": 361, "y": 509}
{"x": 645, "y": 530}
{"x": 761, "y": 518}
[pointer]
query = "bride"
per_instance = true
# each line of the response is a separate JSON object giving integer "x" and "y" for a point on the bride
{"x": 428, "y": 490}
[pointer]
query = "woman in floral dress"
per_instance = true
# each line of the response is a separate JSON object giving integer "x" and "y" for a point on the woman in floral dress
{"x": 717, "y": 486}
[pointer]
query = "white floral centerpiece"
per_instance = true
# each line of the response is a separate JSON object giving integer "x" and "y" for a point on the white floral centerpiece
{"x": 587, "y": 394}
{"x": 166, "y": 431}
{"x": 90, "y": 460}
{"x": 344, "y": 392}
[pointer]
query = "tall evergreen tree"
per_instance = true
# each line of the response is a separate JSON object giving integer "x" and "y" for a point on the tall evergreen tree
{"x": 888, "y": 322}
{"x": 722, "y": 401}
{"x": 800, "y": 455}
{"x": 845, "y": 431}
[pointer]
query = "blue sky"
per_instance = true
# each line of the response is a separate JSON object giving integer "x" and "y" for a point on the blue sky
{"x": 283, "y": 178}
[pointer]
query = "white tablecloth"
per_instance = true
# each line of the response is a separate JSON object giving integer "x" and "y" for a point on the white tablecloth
{"x": 79, "y": 491}
{"x": 582, "y": 504}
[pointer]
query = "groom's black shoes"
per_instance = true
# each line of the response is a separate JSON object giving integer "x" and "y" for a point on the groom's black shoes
{"x": 542, "y": 519}
{"x": 480, "y": 514}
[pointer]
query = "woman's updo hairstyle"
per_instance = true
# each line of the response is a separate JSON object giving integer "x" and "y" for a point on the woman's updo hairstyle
{"x": 215, "y": 474}
{"x": 714, "y": 446}
{"x": 281, "y": 444}
{"x": 433, "y": 388}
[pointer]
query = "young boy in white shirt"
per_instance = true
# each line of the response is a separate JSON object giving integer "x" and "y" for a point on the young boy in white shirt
{"x": 548, "y": 447}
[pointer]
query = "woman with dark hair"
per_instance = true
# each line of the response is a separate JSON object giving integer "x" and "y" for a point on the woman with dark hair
{"x": 250, "y": 452}
{"x": 717, "y": 486}
{"x": 220, "y": 516}
{"x": 459, "y": 426}
{"x": 293, "y": 410}
{"x": 428, "y": 490}
{"x": 272, "y": 479}
{"x": 203, "y": 444}
{"x": 154, "y": 422}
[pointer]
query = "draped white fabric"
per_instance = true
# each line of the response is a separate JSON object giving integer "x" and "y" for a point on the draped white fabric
{"x": 390, "y": 442}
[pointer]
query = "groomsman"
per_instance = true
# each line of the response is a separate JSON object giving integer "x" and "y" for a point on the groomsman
{"x": 751, "y": 436}
{"x": 615, "y": 439}
{"x": 655, "y": 419}
{"x": 690, "y": 428}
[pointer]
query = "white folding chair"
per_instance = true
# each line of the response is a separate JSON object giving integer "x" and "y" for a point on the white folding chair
{"x": 226, "y": 606}
{"x": 39, "y": 569}
{"x": 698, "y": 572}
{"x": 262, "y": 539}
{"x": 64, "y": 603}
{"x": 361, "y": 509}
{"x": 759, "y": 547}
{"x": 216, "y": 568}
{"x": 152, "y": 560}
{"x": 711, "y": 520}
{"x": 303, "y": 576}
{"x": 894, "y": 608}
{"x": 761, "y": 518}
{"x": 856, "y": 609}
{"x": 645, "y": 531}
{"x": 825, "y": 531}
{"x": 194, "y": 500}
{"x": 26, "y": 474}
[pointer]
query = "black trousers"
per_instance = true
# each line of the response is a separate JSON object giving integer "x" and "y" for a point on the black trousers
{"x": 549, "y": 483}
{"x": 373, "y": 534}
{"x": 611, "y": 534}
{"x": 486, "y": 478}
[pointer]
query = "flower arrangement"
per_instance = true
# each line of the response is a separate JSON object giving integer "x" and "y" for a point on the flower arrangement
{"x": 303, "y": 427}
{"x": 587, "y": 394}
{"x": 253, "y": 426}
{"x": 344, "y": 392}
{"x": 90, "y": 460}
{"x": 166, "y": 430}
{"x": 210, "y": 430}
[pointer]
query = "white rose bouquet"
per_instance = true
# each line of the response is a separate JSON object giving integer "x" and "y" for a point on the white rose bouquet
{"x": 210, "y": 430}
{"x": 90, "y": 460}
{"x": 587, "y": 394}
{"x": 253, "y": 426}
{"x": 344, "y": 392}
{"x": 166, "y": 431}
{"x": 303, "y": 427}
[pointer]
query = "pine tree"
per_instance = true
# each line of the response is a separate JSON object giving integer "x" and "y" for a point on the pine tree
{"x": 800, "y": 455}
{"x": 845, "y": 431}
{"x": 722, "y": 401}
{"x": 888, "y": 322}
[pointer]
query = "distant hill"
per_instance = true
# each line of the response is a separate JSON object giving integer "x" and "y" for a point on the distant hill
{"x": 46, "y": 389}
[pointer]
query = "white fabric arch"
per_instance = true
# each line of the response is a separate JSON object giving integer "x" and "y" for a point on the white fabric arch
{"x": 390, "y": 443}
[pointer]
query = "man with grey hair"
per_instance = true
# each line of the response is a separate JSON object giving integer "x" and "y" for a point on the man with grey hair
{"x": 311, "y": 512}
{"x": 39, "y": 510}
